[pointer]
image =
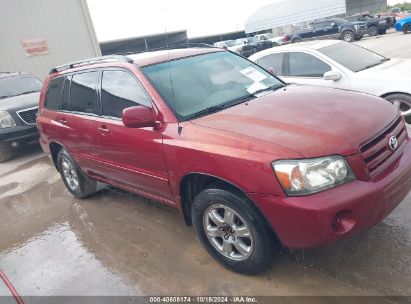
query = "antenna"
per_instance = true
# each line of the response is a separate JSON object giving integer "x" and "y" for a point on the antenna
{"x": 168, "y": 58}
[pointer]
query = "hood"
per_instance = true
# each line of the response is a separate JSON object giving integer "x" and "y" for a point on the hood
{"x": 394, "y": 67}
{"x": 309, "y": 120}
{"x": 17, "y": 103}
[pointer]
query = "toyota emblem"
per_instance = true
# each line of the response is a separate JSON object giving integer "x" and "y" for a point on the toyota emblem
{"x": 393, "y": 143}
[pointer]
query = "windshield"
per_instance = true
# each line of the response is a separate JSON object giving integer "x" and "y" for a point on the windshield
{"x": 18, "y": 85}
{"x": 351, "y": 56}
{"x": 194, "y": 84}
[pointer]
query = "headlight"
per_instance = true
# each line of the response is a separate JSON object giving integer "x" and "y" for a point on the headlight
{"x": 308, "y": 176}
{"x": 6, "y": 121}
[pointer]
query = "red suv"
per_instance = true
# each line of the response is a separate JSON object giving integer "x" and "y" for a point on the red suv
{"x": 251, "y": 162}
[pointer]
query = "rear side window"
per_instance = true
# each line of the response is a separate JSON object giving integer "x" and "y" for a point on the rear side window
{"x": 274, "y": 61}
{"x": 83, "y": 96}
{"x": 53, "y": 96}
{"x": 306, "y": 65}
{"x": 119, "y": 90}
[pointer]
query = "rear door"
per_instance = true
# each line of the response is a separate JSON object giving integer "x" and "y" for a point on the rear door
{"x": 133, "y": 157}
{"x": 77, "y": 120}
{"x": 273, "y": 61}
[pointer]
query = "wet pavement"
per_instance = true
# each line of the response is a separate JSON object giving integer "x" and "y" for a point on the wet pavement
{"x": 116, "y": 243}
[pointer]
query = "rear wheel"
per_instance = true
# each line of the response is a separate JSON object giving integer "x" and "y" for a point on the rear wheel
{"x": 232, "y": 231}
{"x": 372, "y": 31}
{"x": 407, "y": 28}
{"x": 403, "y": 103}
{"x": 348, "y": 36}
{"x": 296, "y": 40}
{"x": 75, "y": 180}
{"x": 5, "y": 156}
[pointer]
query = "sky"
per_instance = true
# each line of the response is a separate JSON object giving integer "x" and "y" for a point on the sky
{"x": 116, "y": 19}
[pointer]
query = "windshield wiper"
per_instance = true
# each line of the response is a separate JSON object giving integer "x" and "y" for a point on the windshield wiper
{"x": 206, "y": 111}
{"x": 270, "y": 88}
{"x": 374, "y": 64}
{"x": 28, "y": 92}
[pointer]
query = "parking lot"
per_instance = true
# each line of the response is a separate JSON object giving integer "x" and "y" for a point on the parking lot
{"x": 116, "y": 243}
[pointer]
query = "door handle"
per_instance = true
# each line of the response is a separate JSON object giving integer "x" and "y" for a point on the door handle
{"x": 103, "y": 130}
{"x": 63, "y": 121}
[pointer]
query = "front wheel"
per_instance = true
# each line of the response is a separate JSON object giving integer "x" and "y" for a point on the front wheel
{"x": 232, "y": 231}
{"x": 403, "y": 103}
{"x": 73, "y": 177}
{"x": 407, "y": 29}
{"x": 348, "y": 36}
{"x": 372, "y": 31}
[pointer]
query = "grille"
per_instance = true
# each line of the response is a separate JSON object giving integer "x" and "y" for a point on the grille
{"x": 377, "y": 151}
{"x": 29, "y": 115}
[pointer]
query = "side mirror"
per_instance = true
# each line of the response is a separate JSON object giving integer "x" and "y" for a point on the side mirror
{"x": 272, "y": 71}
{"x": 332, "y": 75}
{"x": 138, "y": 117}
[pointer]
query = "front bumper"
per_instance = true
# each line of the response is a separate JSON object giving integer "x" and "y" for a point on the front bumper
{"x": 303, "y": 222}
{"x": 18, "y": 137}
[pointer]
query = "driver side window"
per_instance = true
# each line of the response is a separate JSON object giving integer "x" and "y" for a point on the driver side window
{"x": 306, "y": 65}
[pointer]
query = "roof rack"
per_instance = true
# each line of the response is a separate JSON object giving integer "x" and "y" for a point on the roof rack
{"x": 95, "y": 60}
{"x": 172, "y": 47}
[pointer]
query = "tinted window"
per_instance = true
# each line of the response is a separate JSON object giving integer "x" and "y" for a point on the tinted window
{"x": 274, "y": 61}
{"x": 119, "y": 90}
{"x": 83, "y": 97}
{"x": 53, "y": 96}
{"x": 351, "y": 56}
{"x": 66, "y": 93}
{"x": 305, "y": 65}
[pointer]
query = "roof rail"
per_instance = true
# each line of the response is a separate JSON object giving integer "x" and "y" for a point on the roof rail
{"x": 172, "y": 47}
{"x": 95, "y": 60}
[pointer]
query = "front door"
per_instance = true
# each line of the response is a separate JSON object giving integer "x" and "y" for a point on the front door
{"x": 133, "y": 157}
{"x": 304, "y": 68}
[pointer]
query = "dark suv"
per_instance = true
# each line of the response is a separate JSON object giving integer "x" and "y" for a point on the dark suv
{"x": 244, "y": 157}
{"x": 336, "y": 28}
{"x": 19, "y": 98}
{"x": 375, "y": 26}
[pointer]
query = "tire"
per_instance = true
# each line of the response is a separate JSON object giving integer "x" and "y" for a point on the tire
{"x": 296, "y": 40}
{"x": 257, "y": 250}
{"x": 5, "y": 156}
{"x": 407, "y": 28}
{"x": 403, "y": 103}
{"x": 275, "y": 44}
{"x": 372, "y": 31}
{"x": 382, "y": 32}
{"x": 348, "y": 36}
{"x": 76, "y": 182}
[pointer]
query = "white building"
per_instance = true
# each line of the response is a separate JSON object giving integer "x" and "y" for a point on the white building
{"x": 283, "y": 15}
{"x": 41, "y": 34}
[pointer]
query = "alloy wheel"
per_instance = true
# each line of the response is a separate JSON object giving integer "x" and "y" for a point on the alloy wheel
{"x": 70, "y": 174}
{"x": 348, "y": 37}
{"x": 228, "y": 232}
